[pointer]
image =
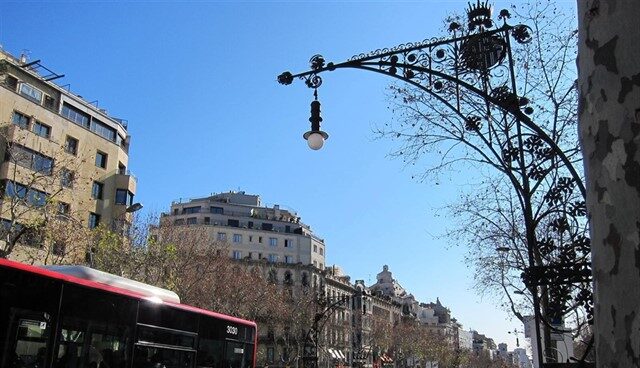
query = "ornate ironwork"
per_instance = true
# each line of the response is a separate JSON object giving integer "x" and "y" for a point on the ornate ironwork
{"x": 475, "y": 68}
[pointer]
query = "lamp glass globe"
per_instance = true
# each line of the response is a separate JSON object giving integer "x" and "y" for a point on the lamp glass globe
{"x": 315, "y": 141}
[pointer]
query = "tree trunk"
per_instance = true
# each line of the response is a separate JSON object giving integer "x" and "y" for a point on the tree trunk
{"x": 609, "y": 120}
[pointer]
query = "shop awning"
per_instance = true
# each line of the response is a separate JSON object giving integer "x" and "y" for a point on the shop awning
{"x": 332, "y": 353}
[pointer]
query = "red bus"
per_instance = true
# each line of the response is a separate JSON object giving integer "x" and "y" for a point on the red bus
{"x": 77, "y": 317}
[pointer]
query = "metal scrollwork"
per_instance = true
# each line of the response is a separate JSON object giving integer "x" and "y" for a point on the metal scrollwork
{"x": 522, "y": 33}
{"x": 316, "y": 62}
{"x": 504, "y": 15}
{"x": 483, "y": 52}
{"x": 473, "y": 123}
{"x": 313, "y": 81}
{"x": 285, "y": 78}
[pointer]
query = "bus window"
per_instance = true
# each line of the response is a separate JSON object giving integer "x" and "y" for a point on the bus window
{"x": 108, "y": 349}
{"x": 92, "y": 344}
{"x": 31, "y": 342}
{"x": 210, "y": 353}
{"x": 96, "y": 329}
{"x": 234, "y": 356}
{"x": 248, "y": 356}
{"x": 147, "y": 356}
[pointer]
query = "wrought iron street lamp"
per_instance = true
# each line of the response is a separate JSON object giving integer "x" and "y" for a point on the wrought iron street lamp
{"x": 475, "y": 67}
{"x": 315, "y": 137}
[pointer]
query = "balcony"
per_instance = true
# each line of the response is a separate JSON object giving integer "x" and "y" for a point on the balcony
{"x": 124, "y": 179}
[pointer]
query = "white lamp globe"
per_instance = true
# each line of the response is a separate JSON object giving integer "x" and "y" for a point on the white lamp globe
{"x": 315, "y": 141}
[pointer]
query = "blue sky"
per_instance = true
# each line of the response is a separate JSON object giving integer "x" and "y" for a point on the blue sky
{"x": 197, "y": 83}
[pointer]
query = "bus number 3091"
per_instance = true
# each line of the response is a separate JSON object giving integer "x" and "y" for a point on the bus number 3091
{"x": 232, "y": 330}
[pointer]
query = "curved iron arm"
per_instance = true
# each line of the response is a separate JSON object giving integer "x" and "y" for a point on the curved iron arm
{"x": 370, "y": 64}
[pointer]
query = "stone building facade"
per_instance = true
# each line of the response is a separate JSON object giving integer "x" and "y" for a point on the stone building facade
{"x": 58, "y": 149}
{"x": 251, "y": 230}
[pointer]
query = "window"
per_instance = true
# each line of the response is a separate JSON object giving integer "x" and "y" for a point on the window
{"x": 178, "y": 222}
{"x": 270, "y": 353}
{"x": 31, "y": 159}
{"x": 11, "y": 82}
{"x": 259, "y": 239}
{"x": 237, "y": 238}
{"x": 192, "y": 220}
{"x": 321, "y": 251}
{"x": 31, "y": 92}
{"x": 273, "y": 242}
{"x": 20, "y": 120}
{"x": 288, "y": 278}
{"x": 102, "y": 129}
{"x": 71, "y": 145}
{"x": 250, "y": 238}
{"x": 218, "y": 210}
{"x": 250, "y": 224}
{"x": 31, "y": 196}
{"x": 288, "y": 243}
{"x": 96, "y": 190}
{"x": 41, "y": 129}
{"x": 33, "y": 237}
{"x": 222, "y": 236}
{"x": 64, "y": 208}
{"x": 94, "y": 220}
{"x": 234, "y": 223}
{"x": 75, "y": 115}
{"x": 315, "y": 248}
{"x": 49, "y": 102}
{"x": 273, "y": 258}
{"x": 237, "y": 254}
{"x": 66, "y": 178}
{"x": 58, "y": 248}
{"x": 101, "y": 159}
{"x": 267, "y": 226}
{"x": 288, "y": 259}
{"x": 207, "y": 220}
{"x": 188, "y": 210}
{"x": 121, "y": 196}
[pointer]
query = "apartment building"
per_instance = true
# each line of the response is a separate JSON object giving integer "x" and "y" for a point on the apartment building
{"x": 338, "y": 332}
{"x": 58, "y": 149}
{"x": 251, "y": 230}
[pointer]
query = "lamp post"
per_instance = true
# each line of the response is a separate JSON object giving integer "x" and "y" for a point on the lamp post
{"x": 119, "y": 221}
{"x": 129, "y": 209}
{"x": 475, "y": 68}
{"x": 311, "y": 342}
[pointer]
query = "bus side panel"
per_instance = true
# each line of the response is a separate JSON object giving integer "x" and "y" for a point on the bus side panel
{"x": 28, "y": 309}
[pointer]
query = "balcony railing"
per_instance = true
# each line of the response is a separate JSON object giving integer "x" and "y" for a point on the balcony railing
{"x": 124, "y": 172}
